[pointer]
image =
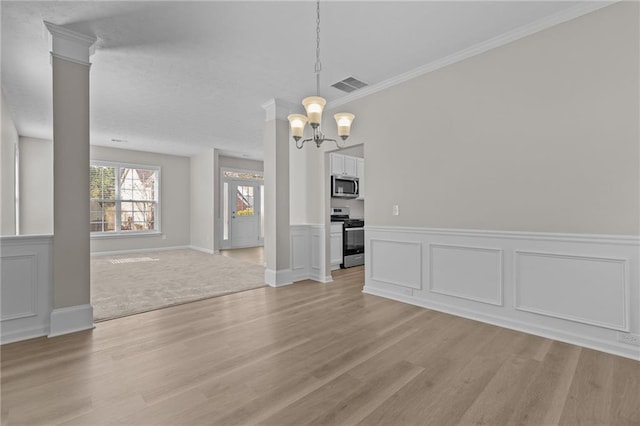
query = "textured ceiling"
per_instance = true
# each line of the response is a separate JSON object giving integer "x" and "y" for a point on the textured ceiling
{"x": 174, "y": 77}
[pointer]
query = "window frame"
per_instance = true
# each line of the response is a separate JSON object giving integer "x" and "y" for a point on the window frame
{"x": 118, "y": 233}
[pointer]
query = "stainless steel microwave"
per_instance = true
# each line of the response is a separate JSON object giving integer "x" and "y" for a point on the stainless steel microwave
{"x": 344, "y": 186}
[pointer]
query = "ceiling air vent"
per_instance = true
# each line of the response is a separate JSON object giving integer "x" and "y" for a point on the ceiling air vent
{"x": 349, "y": 84}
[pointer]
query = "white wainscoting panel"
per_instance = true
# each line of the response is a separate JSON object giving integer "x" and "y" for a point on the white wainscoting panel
{"x": 308, "y": 253}
{"x": 396, "y": 262}
{"x": 19, "y": 275}
{"x": 300, "y": 257}
{"x": 299, "y": 251}
{"x": 479, "y": 280}
{"x": 318, "y": 254}
{"x": 587, "y": 289}
{"x": 580, "y": 289}
{"x": 25, "y": 287}
{"x": 316, "y": 257}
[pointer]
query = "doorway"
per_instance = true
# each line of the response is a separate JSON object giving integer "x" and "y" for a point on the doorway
{"x": 242, "y": 209}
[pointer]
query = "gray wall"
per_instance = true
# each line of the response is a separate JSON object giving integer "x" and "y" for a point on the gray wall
{"x": 8, "y": 145}
{"x": 538, "y": 135}
{"x": 298, "y": 183}
{"x": 36, "y": 186}
{"x": 240, "y": 163}
{"x": 175, "y": 201}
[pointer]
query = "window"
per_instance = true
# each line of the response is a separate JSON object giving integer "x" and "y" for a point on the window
{"x": 237, "y": 174}
{"x": 123, "y": 198}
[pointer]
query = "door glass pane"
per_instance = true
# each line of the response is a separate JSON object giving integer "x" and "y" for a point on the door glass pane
{"x": 244, "y": 200}
{"x": 225, "y": 212}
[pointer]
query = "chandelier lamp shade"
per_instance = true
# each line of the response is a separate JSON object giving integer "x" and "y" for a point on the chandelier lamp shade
{"x": 314, "y": 105}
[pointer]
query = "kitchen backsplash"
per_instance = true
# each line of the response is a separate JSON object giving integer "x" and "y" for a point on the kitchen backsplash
{"x": 356, "y": 207}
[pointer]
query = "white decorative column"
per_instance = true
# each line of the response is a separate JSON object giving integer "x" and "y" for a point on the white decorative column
{"x": 70, "y": 51}
{"x": 277, "y": 242}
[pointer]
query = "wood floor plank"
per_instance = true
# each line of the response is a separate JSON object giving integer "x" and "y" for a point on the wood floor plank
{"x": 372, "y": 391}
{"x": 156, "y": 414}
{"x": 545, "y": 393}
{"x": 308, "y": 381}
{"x": 496, "y": 403}
{"x": 311, "y": 353}
{"x": 325, "y": 398}
{"x": 589, "y": 398}
{"x": 104, "y": 409}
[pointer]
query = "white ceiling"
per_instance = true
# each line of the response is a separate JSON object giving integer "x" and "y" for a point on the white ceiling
{"x": 174, "y": 77}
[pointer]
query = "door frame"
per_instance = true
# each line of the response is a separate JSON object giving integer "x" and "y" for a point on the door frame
{"x": 226, "y": 244}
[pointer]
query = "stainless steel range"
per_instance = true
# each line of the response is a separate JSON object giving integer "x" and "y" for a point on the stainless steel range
{"x": 352, "y": 237}
{"x": 352, "y": 243}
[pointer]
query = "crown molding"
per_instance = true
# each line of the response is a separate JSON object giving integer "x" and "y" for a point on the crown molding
{"x": 500, "y": 40}
{"x": 68, "y": 44}
{"x": 277, "y": 109}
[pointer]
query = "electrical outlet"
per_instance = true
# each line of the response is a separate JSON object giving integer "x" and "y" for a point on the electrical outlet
{"x": 629, "y": 338}
{"x": 396, "y": 210}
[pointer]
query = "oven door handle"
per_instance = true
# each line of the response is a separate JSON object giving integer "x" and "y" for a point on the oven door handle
{"x": 353, "y": 229}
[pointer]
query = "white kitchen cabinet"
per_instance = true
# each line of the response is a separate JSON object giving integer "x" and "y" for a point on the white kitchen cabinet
{"x": 350, "y": 166}
{"x": 337, "y": 164}
{"x": 360, "y": 170}
{"x": 335, "y": 244}
{"x": 343, "y": 165}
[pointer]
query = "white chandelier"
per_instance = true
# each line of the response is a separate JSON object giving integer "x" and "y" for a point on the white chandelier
{"x": 313, "y": 105}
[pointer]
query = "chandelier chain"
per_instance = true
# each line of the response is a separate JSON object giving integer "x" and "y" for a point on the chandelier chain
{"x": 314, "y": 106}
{"x": 318, "y": 63}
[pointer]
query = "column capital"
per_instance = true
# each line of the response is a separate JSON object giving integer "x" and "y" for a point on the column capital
{"x": 278, "y": 109}
{"x": 68, "y": 44}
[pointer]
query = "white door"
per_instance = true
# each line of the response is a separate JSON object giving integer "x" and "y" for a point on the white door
{"x": 244, "y": 214}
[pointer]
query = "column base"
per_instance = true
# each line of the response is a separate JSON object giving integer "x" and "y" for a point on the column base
{"x": 278, "y": 278}
{"x": 71, "y": 319}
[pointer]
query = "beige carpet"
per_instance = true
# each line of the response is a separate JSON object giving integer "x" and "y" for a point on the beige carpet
{"x": 127, "y": 284}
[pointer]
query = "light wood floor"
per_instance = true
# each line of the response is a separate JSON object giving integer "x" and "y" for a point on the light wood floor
{"x": 311, "y": 353}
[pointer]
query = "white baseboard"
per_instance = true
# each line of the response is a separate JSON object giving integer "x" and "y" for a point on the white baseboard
{"x": 580, "y": 289}
{"x": 321, "y": 278}
{"x": 145, "y": 250}
{"x": 550, "y": 333}
{"x": 242, "y": 246}
{"x": 204, "y": 250}
{"x": 24, "y": 334}
{"x": 278, "y": 278}
{"x": 71, "y": 319}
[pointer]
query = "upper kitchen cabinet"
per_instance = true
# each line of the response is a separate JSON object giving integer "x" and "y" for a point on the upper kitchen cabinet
{"x": 360, "y": 170}
{"x": 344, "y": 165}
